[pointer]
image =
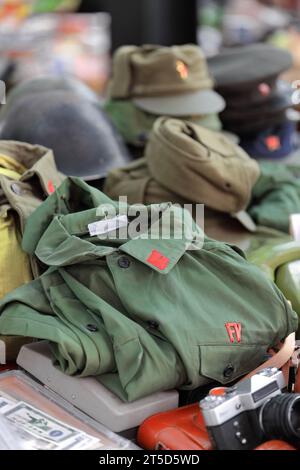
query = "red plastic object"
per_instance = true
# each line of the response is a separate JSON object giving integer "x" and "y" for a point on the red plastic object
{"x": 184, "y": 429}
{"x": 180, "y": 429}
{"x": 275, "y": 445}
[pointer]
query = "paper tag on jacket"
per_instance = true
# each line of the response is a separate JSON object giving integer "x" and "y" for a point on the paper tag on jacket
{"x": 107, "y": 225}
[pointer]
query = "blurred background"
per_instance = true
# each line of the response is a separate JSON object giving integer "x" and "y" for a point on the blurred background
{"x": 73, "y": 37}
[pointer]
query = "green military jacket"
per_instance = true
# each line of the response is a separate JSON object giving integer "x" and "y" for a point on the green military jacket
{"x": 147, "y": 313}
{"x": 39, "y": 180}
{"x": 21, "y": 192}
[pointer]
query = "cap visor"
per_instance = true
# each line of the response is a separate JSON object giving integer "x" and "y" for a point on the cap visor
{"x": 188, "y": 104}
{"x": 246, "y": 220}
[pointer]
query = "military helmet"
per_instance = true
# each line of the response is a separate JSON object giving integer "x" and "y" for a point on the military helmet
{"x": 43, "y": 84}
{"x": 83, "y": 139}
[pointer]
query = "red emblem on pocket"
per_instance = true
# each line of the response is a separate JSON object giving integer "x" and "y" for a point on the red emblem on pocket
{"x": 234, "y": 331}
{"x": 158, "y": 260}
{"x": 51, "y": 187}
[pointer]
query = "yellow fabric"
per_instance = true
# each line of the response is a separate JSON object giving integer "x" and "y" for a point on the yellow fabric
{"x": 14, "y": 263}
{"x": 11, "y": 167}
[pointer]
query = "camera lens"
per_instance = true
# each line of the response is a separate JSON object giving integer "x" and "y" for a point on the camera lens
{"x": 280, "y": 417}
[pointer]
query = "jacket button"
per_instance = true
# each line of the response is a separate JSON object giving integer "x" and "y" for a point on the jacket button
{"x": 153, "y": 324}
{"x": 91, "y": 327}
{"x": 228, "y": 371}
{"x": 16, "y": 189}
{"x": 124, "y": 262}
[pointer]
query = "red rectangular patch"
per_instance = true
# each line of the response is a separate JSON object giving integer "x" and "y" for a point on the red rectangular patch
{"x": 158, "y": 260}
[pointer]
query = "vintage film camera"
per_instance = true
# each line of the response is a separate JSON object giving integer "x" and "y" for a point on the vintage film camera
{"x": 253, "y": 411}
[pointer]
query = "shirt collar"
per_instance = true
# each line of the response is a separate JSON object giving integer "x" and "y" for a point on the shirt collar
{"x": 66, "y": 240}
{"x": 167, "y": 239}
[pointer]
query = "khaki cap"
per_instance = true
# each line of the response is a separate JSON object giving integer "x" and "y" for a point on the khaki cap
{"x": 201, "y": 165}
{"x": 174, "y": 81}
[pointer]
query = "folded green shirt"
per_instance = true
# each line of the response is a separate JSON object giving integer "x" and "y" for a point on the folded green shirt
{"x": 145, "y": 313}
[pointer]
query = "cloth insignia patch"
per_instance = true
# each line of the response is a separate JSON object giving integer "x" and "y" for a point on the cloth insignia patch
{"x": 51, "y": 188}
{"x": 273, "y": 143}
{"x": 264, "y": 89}
{"x": 158, "y": 260}
{"x": 182, "y": 69}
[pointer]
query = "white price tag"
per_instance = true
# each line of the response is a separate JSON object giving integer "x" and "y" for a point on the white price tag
{"x": 108, "y": 225}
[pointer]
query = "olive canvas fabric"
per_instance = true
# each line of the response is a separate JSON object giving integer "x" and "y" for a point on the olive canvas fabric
{"x": 185, "y": 162}
{"x": 152, "y": 81}
{"x": 275, "y": 196}
{"x": 152, "y": 70}
{"x": 143, "y": 313}
{"x": 36, "y": 178}
{"x": 15, "y": 264}
{"x": 27, "y": 176}
{"x": 172, "y": 81}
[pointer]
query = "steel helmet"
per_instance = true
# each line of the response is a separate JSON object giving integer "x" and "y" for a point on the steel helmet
{"x": 84, "y": 141}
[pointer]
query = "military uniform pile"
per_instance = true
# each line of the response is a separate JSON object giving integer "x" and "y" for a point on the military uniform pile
{"x": 173, "y": 332}
{"x": 145, "y": 312}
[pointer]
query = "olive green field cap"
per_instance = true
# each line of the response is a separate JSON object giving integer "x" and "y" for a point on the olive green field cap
{"x": 201, "y": 165}
{"x": 172, "y": 81}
